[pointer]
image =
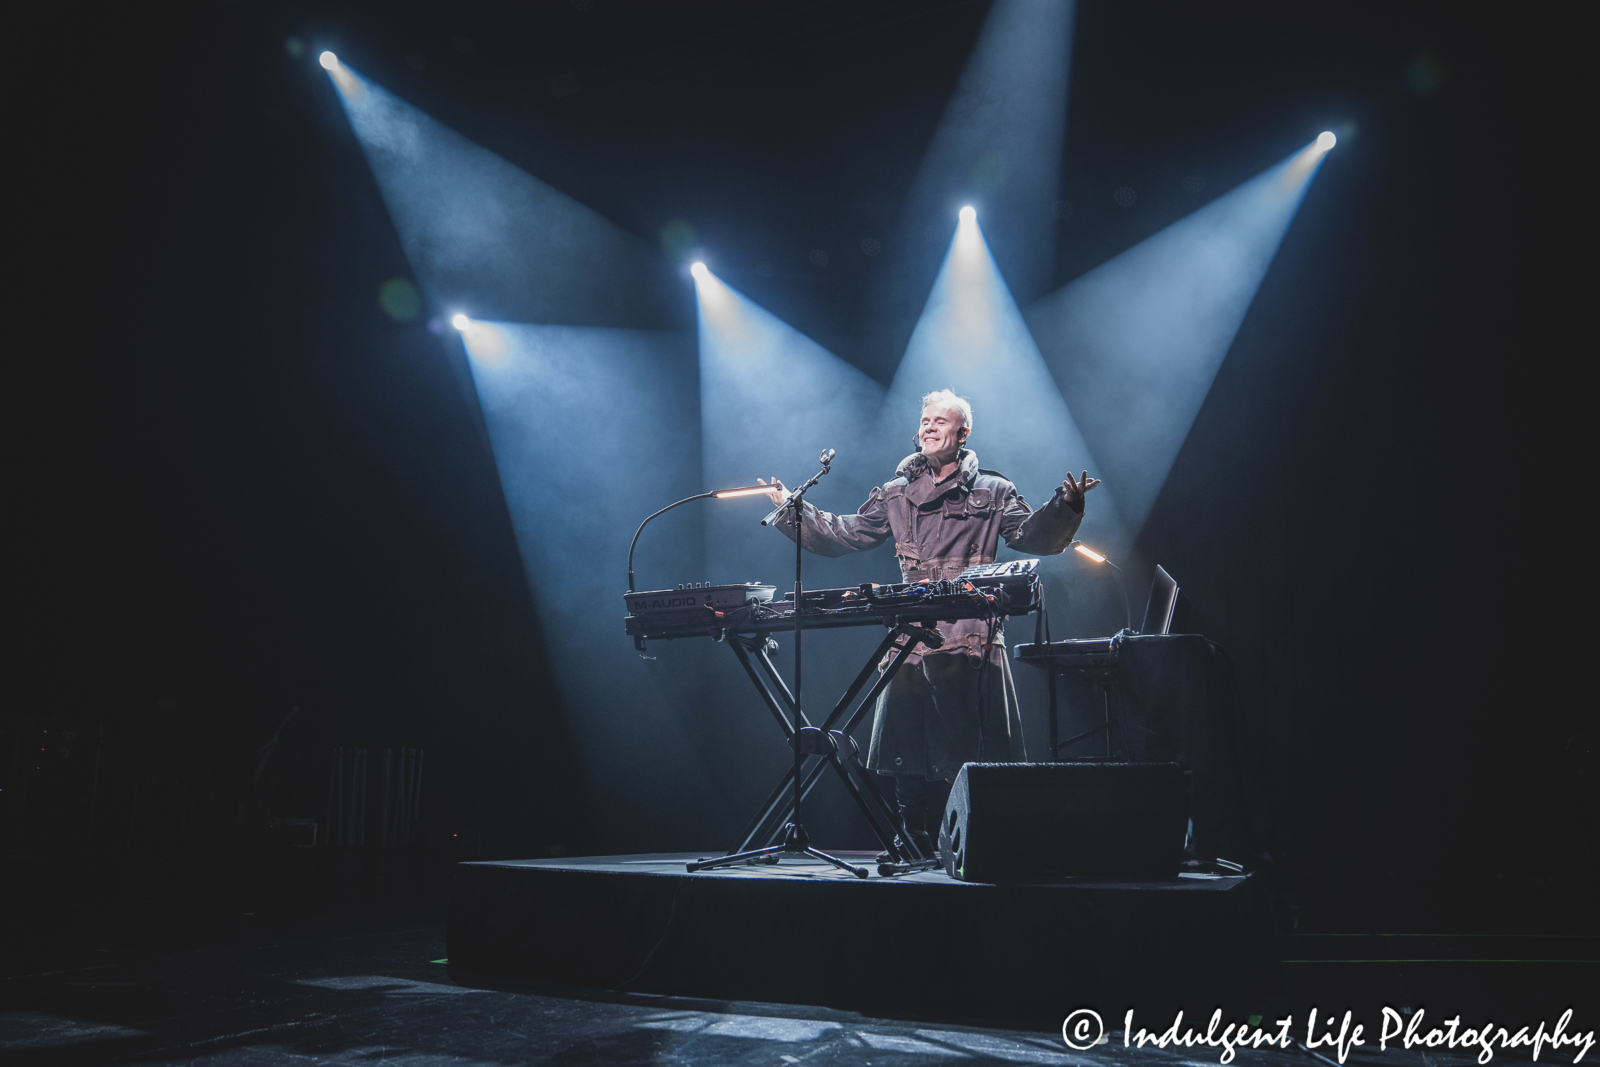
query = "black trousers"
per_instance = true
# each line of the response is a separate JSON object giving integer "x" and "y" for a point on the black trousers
{"x": 927, "y": 720}
{"x": 921, "y": 802}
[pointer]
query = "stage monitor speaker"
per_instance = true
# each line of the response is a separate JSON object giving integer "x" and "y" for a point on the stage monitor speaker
{"x": 1023, "y": 822}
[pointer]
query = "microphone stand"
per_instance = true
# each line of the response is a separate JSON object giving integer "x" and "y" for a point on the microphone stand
{"x": 805, "y": 738}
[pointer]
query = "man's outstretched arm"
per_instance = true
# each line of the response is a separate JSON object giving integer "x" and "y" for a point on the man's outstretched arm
{"x": 1049, "y": 530}
{"x": 828, "y": 534}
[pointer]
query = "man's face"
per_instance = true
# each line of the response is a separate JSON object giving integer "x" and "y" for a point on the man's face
{"x": 942, "y": 431}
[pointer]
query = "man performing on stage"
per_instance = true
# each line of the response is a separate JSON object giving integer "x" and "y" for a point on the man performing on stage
{"x": 945, "y": 514}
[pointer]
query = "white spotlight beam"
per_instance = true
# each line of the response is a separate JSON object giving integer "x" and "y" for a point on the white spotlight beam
{"x": 971, "y": 338}
{"x": 583, "y": 452}
{"x": 475, "y": 226}
{"x": 771, "y": 400}
{"x": 1136, "y": 343}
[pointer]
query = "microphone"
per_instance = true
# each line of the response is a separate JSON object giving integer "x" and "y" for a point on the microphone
{"x": 827, "y": 457}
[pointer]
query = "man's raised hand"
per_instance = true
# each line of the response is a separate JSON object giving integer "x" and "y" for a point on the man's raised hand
{"x": 1073, "y": 492}
{"x": 776, "y": 493}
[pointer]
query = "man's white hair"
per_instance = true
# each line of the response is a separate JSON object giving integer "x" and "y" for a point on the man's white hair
{"x": 944, "y": 398}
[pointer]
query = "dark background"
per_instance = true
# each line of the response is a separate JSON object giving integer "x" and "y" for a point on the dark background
{"x": 242, "y": 488}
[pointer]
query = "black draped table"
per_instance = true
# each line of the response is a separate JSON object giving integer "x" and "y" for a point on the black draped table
{"x": 1167, "y": 699}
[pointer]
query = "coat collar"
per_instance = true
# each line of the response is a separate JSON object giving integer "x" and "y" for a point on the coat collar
{"x": 915, "y": 466}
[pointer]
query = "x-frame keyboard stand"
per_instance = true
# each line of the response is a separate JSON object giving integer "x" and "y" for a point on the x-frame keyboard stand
{"x": 832, "y": 746}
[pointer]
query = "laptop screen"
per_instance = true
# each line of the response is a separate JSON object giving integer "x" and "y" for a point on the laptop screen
{"x": 1163, "y": 602}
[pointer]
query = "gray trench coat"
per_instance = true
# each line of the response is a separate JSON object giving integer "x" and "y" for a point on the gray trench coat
{"x": 927, "y": 722}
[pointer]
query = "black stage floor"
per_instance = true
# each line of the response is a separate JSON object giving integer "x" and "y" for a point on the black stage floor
{"x": 108, "y": 962}
{"x": 805, "y": 933}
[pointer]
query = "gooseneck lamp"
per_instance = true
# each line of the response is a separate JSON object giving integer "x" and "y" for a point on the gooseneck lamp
{"x": 716, "y": 494}
{"x": 1089, "y": 553}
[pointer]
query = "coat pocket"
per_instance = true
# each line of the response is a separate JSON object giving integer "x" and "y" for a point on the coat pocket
{"x": 978, "y": 504}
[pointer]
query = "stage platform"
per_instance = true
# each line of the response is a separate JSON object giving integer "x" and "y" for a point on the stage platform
{"x": 922, "y": 945}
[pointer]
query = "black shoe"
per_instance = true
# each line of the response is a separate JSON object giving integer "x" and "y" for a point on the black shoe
{"x": 923, "y": 842}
